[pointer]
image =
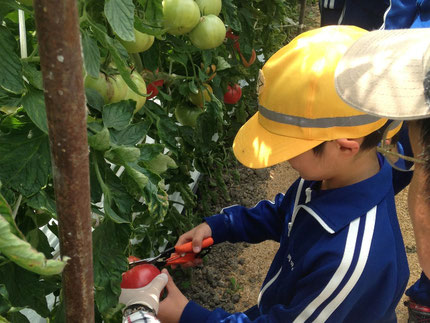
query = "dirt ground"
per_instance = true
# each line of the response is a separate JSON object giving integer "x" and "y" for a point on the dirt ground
{"x": 233, "y": 273}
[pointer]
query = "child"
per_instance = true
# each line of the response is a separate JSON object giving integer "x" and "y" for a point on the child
{"x": 341, "y": 256}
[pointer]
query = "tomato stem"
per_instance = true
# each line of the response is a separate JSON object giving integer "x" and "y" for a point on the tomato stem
{"x": 137, "y": 62}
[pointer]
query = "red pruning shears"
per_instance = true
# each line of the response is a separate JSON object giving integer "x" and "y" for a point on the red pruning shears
{"x": 178, "y": 255}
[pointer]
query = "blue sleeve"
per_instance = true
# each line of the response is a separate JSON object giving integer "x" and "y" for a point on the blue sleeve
{"x": 400, "y": 14}
{"x": 402, "y": 179}
{"x": 262, "y": 222}
{"x": 335, "y": 283}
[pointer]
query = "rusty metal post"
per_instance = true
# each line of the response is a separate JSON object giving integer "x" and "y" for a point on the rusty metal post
{"x": 61, "y": 63}
{"x": 302, "y": 14}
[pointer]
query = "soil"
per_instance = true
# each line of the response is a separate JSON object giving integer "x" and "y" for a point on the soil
{"x": 232, "y": 274}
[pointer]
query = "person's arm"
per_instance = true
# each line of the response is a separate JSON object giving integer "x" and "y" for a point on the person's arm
{"x": 262, "y": 222}
{"x": 400, "y": 14}
{"x": 336, "y": 283}
{"x": 238, "y": 223}
{"x": 418, "y": 199}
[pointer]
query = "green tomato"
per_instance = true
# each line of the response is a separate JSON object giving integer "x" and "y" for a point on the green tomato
{"x": 186, "y": 115}
{"x": 209, "y": 7}
{"x": 118, "y": 90}
{"x": 201, "y": 97}
{"x": 141, "y": 85}
{"x": 180, "y": 16}
{"x": 209, "y": 33}
{"x": 143, "y": 42}
{"x": 100, "y": 84}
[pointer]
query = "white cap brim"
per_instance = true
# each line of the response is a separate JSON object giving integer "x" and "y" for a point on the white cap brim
{"x": 383, "y": 72}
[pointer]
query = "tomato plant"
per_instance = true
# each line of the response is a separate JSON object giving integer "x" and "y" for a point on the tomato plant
{"x": 142, "y": 153}
{"x": 233, "y": 94}
{"x": 139, "y": 276}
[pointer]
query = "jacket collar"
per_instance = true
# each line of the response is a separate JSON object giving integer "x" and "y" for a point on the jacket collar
{"x": 334, "y": 209}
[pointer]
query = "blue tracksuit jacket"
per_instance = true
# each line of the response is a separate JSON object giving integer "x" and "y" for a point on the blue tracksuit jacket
{"x": 341, "y": 256}
{"x": 407, "y": 14}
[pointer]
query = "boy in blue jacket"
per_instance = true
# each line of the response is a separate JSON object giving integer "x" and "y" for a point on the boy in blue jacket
{"x": 341, "y": 256}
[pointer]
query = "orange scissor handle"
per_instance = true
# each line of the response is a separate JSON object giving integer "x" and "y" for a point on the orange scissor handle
{"x": 180, "y": 259}
{"x": 188, "y": 247}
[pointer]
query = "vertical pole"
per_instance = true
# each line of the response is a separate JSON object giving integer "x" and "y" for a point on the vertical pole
{"x": 302, "y": 14}
{"x": 61, "y": 63}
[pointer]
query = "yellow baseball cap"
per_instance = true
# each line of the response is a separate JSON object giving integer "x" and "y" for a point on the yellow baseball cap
{"x": 298, "y": 104}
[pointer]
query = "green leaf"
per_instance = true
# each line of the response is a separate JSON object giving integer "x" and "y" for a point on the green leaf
{"x": 150, "y": 151}
{"x": 120, "y": 198}
{"x": 120, "y": 15}
{"x": 94, "y": 99}
{"x": 139, "y": 179}
{"x": 24, "y": 255}
{"x": 6, "y": 212}
{"x": 41, "y": 201}
{"x": 122, "y": 154}
{"x": 222, "y": 64}
{"x": 131, "y": 135}
{"x": 34, "y": 104}
{"x": 4, "y": 300}
{"x": 111, "y": 214}
{"x": 160, "y": 163}
{"x": 25, "y": 288}
{"x": 229, "y": 12}
{"x": 168, "y": 131}
{"x": 118, "y": 115}
{"x": 38, "y": 240}
{"x": 25, "y": 160}
{"x": 33, "y": 75}
{"x": 142, "y": 182}
{"x": 6, "y": 6}
{"x": 91, "y": 55}
{"x": 100, "y": 141}
{"x": 10, "y": 65}
{"x": 152, "y": 21}
{"x": 109, "y": 262}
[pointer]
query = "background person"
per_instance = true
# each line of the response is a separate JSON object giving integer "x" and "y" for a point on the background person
{"x": 367, "y": 14}
{"x": 387, "y": 73}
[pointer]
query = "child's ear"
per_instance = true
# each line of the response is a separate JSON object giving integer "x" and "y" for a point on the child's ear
{"x": 349, "y": 146}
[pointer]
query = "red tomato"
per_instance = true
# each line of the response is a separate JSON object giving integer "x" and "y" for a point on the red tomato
{"x": 139, "y": 276}
{"x": 152, "y": 88}
{"x": 233, "y": 94}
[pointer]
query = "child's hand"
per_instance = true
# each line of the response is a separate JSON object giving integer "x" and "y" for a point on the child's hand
{"x": 196, "y": 235}
{"x": 171, "y": 308}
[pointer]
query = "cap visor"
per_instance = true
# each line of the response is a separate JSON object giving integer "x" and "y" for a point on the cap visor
{"x": 255, "y": 147}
